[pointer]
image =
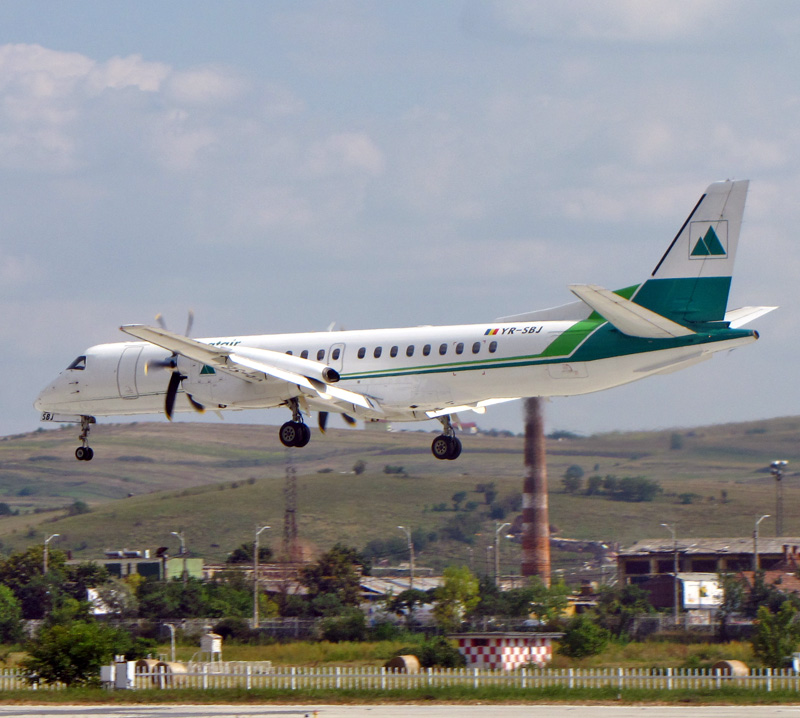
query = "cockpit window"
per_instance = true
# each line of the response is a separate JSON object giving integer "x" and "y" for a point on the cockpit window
{"x": 79, "y": 363}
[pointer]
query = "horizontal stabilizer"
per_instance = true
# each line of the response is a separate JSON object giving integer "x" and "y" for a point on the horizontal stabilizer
{"x": 627, "y": 316}
{"x": 744, "y": 315}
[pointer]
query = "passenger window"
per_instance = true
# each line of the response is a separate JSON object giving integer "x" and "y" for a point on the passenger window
{"x": 320, "y": 355}
{"x": 443, "y": 349}
{"x": 410, "y": 350}
{"x": 476, "y": 347}
{"x": 426, "y": 350}
{"x": 377, "y": 353}
{"x": 393, "y": 351}
{"x": 492, "y": 347}
{"x": 289, "y": 352}
{"x": 362, "y": 352}
{"x": 304, "y": 354}
{"x": 79, "y": 364}
{"x": 460, "y": 348}
{"x": 335, "y": 353}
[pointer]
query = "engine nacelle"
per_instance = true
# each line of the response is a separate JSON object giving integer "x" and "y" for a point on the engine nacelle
{"x": 287, "y": 362}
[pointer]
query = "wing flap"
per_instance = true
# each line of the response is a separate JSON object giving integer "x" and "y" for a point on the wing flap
{"x": 627, "y": 316}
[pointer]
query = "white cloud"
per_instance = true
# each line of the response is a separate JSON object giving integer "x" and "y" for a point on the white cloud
{"x": 345, "y": 152}
{"x": 204, "y": 85}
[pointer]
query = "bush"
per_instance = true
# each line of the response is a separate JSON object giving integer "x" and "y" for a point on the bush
{"x": 583, "y": 637}
{"x": 233, "y": 628}
{"x": 437, "y": 651}
{"x": 349, "y": 625}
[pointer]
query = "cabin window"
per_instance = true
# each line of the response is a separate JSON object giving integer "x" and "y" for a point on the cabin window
{"x": 426, "y": 350}
{"x": 79, "y": 364}
{"x": 460, "y": 348}
{"x": 492, "y": 347}
{"x": 289, "y": 352}
{"x": 410, "y": 350}
{"x": 443, "y": 349}
{"x": 304, "y": 354}
{"x": 393, "y": 351}
{"x": 362, "y": 352}
{"x": 320, "y": 355}
{"x": 377, "y": 353}
{"x": 476, "y": 347}
{"x": 335, "y": 353}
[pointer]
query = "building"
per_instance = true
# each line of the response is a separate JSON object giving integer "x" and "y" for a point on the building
{"x": 506, "y": 651}
{"x": 126, "y": 562}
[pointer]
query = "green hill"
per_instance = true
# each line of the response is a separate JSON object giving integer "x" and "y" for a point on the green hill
{"x": 218, "y": 481}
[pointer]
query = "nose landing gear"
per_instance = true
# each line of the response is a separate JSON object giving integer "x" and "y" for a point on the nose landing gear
{"x": 446, "y": 445}
{"x": 84, "y": 452}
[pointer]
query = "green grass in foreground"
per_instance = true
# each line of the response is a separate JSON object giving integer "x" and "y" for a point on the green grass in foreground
{"x": 727, "y": 695}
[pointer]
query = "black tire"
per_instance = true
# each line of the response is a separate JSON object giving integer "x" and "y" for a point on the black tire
{"x": 455, "y": 448}
{"x": 89, "y": 455}
{"x": 80, "y": 453}
{"x": 441, "y": 447}
{"x": 288, "y": 433}
{"x": 303, "y": 435}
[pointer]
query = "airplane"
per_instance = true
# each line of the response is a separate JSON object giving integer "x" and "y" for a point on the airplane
{"x": 674, "y": 319}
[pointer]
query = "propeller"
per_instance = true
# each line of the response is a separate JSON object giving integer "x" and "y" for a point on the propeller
{"x": 322, "y": 418}
{"x": 175, "y": 377}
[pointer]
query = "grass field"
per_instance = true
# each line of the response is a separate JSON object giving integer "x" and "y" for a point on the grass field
{"x": 217, "y": 481}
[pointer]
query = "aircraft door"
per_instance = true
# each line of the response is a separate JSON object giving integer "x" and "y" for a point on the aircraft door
{"x": 336, "y": 357}
{"x": 126, "y": 372}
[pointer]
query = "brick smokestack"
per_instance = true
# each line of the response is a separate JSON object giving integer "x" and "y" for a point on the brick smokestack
{"x": 535, "y": 513}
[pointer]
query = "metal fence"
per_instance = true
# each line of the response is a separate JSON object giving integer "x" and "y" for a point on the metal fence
{"x": 12, "y": 679}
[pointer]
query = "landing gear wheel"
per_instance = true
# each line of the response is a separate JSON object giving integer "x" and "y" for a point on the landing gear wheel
{"x": 84, "y": 453}
{"x": 455, "y": 448}
{"x": 441, "y": 447}
{"x": 294, "y": 433}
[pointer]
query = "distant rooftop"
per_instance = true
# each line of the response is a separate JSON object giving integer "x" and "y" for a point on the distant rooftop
{"x": 712, "y": 545}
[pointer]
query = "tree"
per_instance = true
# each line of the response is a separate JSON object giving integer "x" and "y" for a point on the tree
{"x": 572, "y": 479}
{"x": 458, "y": 498}
{"x": 777, "y": 634}
{"x": 548, "y": 603}
{"x": 593, "y": 485}
{"x": 455, "y": 598}
{"x": 118, "y": 598}
{"x": 359, "y": 467}
{"x": 583, "y": 637}
{"x": 618, "y": 606}
{"x": 72, "y": 653}
{"x": 244, "y": 554}
{"x": 339, "y": 572}
{"x": 405, "y": 603}
{"x": 10, "y": 616}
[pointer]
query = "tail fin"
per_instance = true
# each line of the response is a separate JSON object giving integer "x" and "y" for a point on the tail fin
{"x": 692, "y": 281}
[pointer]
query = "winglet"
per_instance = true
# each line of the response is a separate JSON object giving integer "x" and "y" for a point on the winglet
{"x": 627, "y": 316}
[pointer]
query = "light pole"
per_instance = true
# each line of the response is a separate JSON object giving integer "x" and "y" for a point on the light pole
{"x": 255, "y": 574}
{"x": 171, "y": 640}
{"x": 497, "y": 552}
{"x": 410, "y": 557}
{"x": 776, "y": 469}
{"x": 671, "y": 529}
{"x": 179, "y": 534}
{"x": 44, "y": 562}
{"x": 755, "y": 542}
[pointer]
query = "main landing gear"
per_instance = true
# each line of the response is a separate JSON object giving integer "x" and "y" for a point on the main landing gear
{"x": 295, "y": 432}
{"x": 446, "y": 445}
{"x": 84, "y": 452}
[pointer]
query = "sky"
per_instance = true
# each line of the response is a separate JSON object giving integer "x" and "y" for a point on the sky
{"x": 279, "y": 166}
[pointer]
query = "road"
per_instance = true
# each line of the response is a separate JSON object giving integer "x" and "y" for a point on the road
{"x": 398, "y": 711}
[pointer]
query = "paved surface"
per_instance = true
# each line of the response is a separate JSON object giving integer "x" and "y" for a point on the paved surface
{"x": 401, "y": 711}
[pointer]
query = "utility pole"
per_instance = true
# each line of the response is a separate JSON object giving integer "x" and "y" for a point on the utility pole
{"x": 776, "y": 469}
{"x": 671, "y": 529}
{"x": 535, "y": 511}
{"x": 497, "y": 552}
{"x": 255, "y": 574}
{"x": 179, "y": 534}
{"x": 410, "y": 557}
{"x": 755, "y": 542}
{"x": 44, "y": 562}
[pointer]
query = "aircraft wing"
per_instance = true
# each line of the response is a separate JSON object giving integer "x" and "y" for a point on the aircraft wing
{"x": 312, "y": 378}
{"x": 739, "y": 317}
{"x": 627, "y": 316}
{"x": 478, "y": 407}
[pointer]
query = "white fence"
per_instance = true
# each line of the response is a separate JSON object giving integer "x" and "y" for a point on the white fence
{"x": 372, "y": 678}
{"x": 254, "y": 676}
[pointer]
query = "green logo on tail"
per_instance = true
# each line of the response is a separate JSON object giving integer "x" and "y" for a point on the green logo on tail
{"x": 709, "y": 246}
